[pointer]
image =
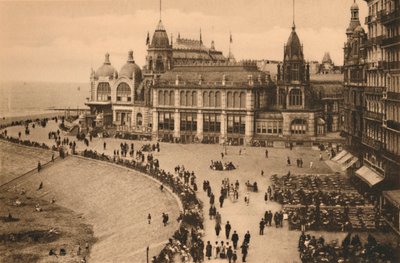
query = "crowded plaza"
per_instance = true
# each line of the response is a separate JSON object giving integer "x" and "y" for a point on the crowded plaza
{"x": 243, "y": 214}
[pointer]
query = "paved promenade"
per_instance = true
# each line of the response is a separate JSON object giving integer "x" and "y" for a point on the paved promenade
{"x": 278, "y": 244}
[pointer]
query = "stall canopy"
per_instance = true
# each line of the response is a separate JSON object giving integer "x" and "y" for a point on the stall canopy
{"x": 345, "y": 159}
{"x": 393, "y": 197}
{"x": 369, "y": 176}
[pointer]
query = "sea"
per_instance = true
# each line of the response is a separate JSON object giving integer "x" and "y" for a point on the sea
{"x": 31, "y": 98}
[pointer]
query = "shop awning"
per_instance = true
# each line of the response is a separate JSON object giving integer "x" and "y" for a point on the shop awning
{"x": 349, "y": 163}
{"x": 339, "y": 155}
{"x": 345, "y": 158}
{"x": 369, "y": 176}
{"x": 393, "y": 197}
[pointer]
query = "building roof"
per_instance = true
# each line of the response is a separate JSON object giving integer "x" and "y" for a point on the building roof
{"x": 215, "y": 72}
{"x": 105, "y": 70}
{"x": 327, "y": 58}
{"x": 190, "y": 49}
{"x": 130, "y": 67}
{"x": 160, "y": 37}
{"x": 293, "y": 48}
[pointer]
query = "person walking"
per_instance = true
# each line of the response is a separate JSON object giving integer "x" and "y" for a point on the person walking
{"x": 39, "y": 166}
{"x": 262, "y": 226}
{"x": 149, "y": 218}
{"x": 244, "y": 248}
{"x": 234, "y": 257}
{"x": 266, "y": 153}
{"x": 104, "y": 145}
{"x": 266, "y": 197}
{"x": 262, "y": 172}
{"x": 217, "y": 249}
{"x": 208, "y": 250}
{"x": 217, "y": 228}
{"x": 235, "y": 239}
{"x": 247, "y": 237}
{"x": 288, "y": 161}
{"x": 221, "y": 200}
{"x": 229, "y": 254}
{"x": 227, "y": 229}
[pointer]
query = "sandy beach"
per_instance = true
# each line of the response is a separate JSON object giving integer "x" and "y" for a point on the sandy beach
{"x": 33, "y": 116}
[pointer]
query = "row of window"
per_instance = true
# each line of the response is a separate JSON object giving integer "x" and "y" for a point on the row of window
{"x": 210, "y": 99}
{"x": 211, "y": 122}
{"x": 273, "y": 127}
{"x": 374, "y": 105}
{"x": 295, "y": 97}
{"x": 393, "y": 112}
{"x": 124, "y": 92}
{"x": 393, "y": 142}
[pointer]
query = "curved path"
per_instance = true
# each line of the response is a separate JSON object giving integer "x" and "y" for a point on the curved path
{"x": 115, "y": 200}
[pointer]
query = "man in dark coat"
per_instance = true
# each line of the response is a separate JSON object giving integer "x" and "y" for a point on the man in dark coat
{"x": 235, "y": 239}
{"x": 247, "y": 238}
{"x": 229, "y": 254}
{"x": 217, "y": 228}
{"x": 208, "y": 250}
{"x": 262, "y": 226}
{"x": 221, "y": 200}
{"x": 227, "y": 229}
{"x": 244, "y": 248}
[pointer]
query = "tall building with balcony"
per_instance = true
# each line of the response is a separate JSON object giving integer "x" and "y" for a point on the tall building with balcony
{"x": 372, "y": 102}
{"x": 354, "y": 82}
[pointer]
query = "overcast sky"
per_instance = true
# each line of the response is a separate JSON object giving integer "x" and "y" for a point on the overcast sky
{"x": 62, "y": 41}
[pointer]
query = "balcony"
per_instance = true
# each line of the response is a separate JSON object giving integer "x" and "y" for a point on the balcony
{"x": 373, "y": 115}
{"x": 391, "y": 156}
{"x": 368, "y": 19}
{"x": 393, "y": 125}
{"x": 390, "y": 41}
{"x": 390, "y": 16}
{"x": 374, "y": 90}
{"x": 391, "y": 65}
{"x": 375, "y": 144}
{"x": 393, "y": 96}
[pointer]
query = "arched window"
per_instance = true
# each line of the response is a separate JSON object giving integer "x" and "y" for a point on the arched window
{"x": 159, "y": 64}
{"x": 166, "y": 98}
{"x": 236, "y": 100}
{"x": 189, "y": 98}
{"x": 194, "y": 98}
{"x": 212, "y": 99}
{"x": 298, "y": 126}
{"x": 124, "y": 92}
{"x": 205, "y": 99}
{"x": 161, "y": 97}
{"x": 217, "y": 99}
{"x": 295, "y": 97}
{"x": 171, "y": 98}
{"x": 229, "y": 99}
{"x": 139, "y": 119}
{"x": 103, "y": 91}
{"x": 242, "y": 100}
{"x": 183, "y": 98}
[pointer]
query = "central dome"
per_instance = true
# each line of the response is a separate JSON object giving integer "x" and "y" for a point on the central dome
{"x": 293, "y": 49}
{"x": 131, "y": 68}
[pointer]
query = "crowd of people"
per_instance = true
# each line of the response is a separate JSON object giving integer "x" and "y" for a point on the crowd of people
{"x": 314, "y": 249}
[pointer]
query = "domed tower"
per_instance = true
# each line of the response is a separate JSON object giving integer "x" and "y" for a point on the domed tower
{"x": 159, "y": 51}
{"x": 131, "y": 70}
{"x": 105, "y": 70}
{"x": 293, "y": 75}
{"x": 354, "y": 21}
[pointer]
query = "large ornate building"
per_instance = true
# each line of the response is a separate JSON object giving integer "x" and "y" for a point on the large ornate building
{"x": 189, "y": 92}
